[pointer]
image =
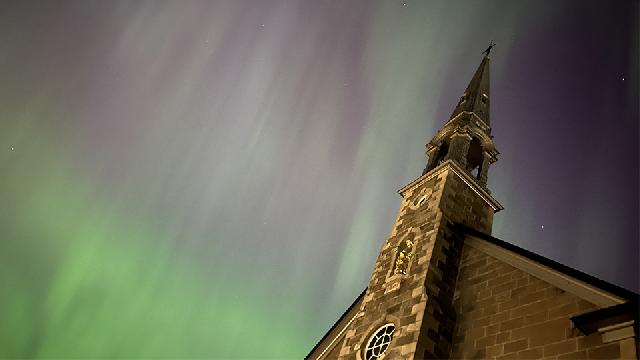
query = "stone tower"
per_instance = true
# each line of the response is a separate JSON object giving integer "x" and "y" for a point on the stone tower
{"x": 411, "y": 290}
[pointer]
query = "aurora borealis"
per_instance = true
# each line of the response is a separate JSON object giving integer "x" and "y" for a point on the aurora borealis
{"x": 213, "y": 179}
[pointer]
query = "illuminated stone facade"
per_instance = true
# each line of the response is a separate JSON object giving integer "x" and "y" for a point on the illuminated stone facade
{"x": 449, "y": 290}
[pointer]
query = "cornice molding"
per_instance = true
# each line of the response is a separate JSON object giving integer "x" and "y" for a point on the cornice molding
{"x": 483, "y": 125}
{"x": 455, "y": 117}
{"x": 473, "y": 126}
{"x": 452, "y": 166}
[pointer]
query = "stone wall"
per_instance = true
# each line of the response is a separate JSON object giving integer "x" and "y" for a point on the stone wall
{"x": 419, "y": 301}
{"x": 505, "y": 313}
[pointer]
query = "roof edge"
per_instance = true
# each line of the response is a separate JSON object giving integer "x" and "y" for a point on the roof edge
{"x": 593, "y": 321}
{"x": 626, "y": 294}
{"x": 326, "y": 334}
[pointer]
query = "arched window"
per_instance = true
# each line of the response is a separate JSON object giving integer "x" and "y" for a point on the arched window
{"x": 474, "y": 157}
{"x": 442, "y": 153}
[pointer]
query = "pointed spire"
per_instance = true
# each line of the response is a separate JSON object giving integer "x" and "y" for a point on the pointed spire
{"x": 476, "y": 97}
{"x": 466, "y": 138}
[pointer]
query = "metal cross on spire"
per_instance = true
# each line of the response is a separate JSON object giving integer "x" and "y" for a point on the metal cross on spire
{"x": 491, "y": 45}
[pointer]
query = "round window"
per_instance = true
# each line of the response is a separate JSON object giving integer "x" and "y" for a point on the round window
{"x": 379, "y": 342}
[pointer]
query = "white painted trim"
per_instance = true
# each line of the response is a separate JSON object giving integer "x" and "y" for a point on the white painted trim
{"x": 330, "y": 346}
{"x": 556, "y": 278}
{"x": 617, "y": 332}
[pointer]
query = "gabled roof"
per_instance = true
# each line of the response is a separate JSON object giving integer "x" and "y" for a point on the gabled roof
{"x": 624, "y": 294}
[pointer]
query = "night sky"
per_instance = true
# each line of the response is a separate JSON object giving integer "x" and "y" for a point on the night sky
{"x": 214, "y": 179}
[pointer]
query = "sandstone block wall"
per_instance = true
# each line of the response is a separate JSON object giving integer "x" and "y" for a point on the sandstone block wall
{"x": 505, "y": 313}
{"x": 419, "y": 303}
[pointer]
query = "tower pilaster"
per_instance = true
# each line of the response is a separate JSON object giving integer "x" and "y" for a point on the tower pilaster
{"x": 459, "y": 147}
{"x": 484, "y": 168}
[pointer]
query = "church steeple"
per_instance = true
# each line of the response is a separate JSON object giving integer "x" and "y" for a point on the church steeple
{"x": 439, "y": 287}
{"x": 408, "y": 309}
{"x": 476, "y": 96}
{"x": 466, "y": 137}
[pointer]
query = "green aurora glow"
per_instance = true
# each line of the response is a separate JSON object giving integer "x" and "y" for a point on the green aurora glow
{"x": 214, "y": 179}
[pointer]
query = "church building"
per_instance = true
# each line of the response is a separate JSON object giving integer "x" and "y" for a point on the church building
{"x": 444, "y": 288}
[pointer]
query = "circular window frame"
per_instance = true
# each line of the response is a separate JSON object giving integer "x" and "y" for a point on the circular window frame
{"x": 379, "y": 332}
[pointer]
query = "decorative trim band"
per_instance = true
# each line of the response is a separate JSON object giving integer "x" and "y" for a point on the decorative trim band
{"x": 483, "y": 125}
{"x": 455, "y": 168}
{"x": 330, "y": 346}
